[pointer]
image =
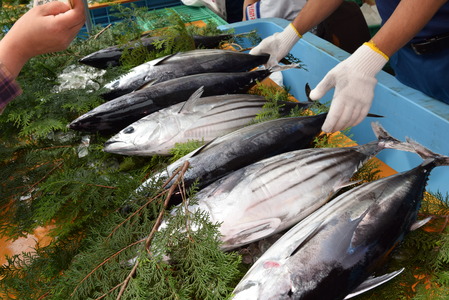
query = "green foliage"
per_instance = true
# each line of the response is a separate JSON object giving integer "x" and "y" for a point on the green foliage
{"x": 274, "y": 95}
{"x": 52, "y": 175}
{"x": 116, "y": 250}
{"x": 182, "y": 149}
{"x": 10, "y": 11}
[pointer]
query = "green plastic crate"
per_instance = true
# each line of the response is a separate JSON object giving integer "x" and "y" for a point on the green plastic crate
{"x": 187, "y": 14}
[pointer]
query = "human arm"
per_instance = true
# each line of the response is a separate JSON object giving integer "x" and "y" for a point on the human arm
{"x": 43, "y": 29}
{"x": 9, "y": 89}
{"x": 354, "y": 78}
{"x": 407, "y": 20}
{"x": 279, "y": 44}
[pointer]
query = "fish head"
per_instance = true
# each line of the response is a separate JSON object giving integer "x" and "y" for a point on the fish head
{"x": 103, "y": 58}
{"x": 273, "y": 281}
{"x": 143, "y": 137}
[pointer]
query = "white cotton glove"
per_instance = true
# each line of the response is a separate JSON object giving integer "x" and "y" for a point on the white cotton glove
{"x": 277, "y": 45}
{"x": 354, "y": 81}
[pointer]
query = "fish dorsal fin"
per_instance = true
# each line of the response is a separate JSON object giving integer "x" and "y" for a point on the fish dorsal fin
{"x": 420, "y": 223}
{"x": 373, "y": 282}
{"x": 161, "y": 60}
{"x": 308, "y": 90}
{"x": 190, "y": 104}
{"x": 146, "y": 84}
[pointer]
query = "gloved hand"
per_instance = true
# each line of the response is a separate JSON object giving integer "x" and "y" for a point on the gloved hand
{"x": 354, "y": 81}
{"x": 278, "y": 45}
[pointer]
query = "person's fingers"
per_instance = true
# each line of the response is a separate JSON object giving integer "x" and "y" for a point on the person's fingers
{"x": 339, "y": 116}
{"x": 322, "y": 88}
{"x": 272, "y": 61}
{"x": 78, "y": 6}
{"x": 53, "y": 8}
{"x": 362, "y": 113}
{"x": 255, "y": 50}
{"x": 74, "y": 18}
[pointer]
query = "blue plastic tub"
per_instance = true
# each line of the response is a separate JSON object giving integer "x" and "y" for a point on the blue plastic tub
{"x": 407, "y": 112}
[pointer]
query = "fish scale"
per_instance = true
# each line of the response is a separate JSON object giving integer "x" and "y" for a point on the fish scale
{"x": 331, "y": 252}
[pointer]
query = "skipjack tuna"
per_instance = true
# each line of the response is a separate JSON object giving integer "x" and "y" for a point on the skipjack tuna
{"x": 110, "y": 56}
{"x": 199, "y": 118}
{"x": 182, "y": 64}
{"x": 243, "y": 147}
{"x": 332, "y": 251}
{"x": 118, "y": 113}
{"x": 274, "y": 194}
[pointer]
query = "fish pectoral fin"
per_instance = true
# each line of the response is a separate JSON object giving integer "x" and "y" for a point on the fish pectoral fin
{"x": 420, "y": 223}
{"x": 146, "y": 84}
{"x": 199, "y": 149}
{"x": 190, "y": 104}
{"x": 161, "y": 60}
{"x": 346, "y": 184}
{"x": 252, "y": 231}
{"x": 373, "y": 282}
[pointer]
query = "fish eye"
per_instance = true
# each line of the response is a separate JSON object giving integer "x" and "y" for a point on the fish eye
{"x": 128, "y": 130}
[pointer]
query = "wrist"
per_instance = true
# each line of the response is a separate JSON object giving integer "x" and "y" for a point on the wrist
{"x": 368, "y": 59}
{"x": 290, "y": 36}
{"x": 11, "y": 56}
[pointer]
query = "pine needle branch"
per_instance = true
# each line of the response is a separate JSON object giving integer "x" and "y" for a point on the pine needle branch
{"x": 45, "y": 177}
{"x": 104, "y": 262}
{"x": 167, "y": 200}
{"x": 110, "y": 291}
{"x": 170, "y": 192}
{"x": 136, "y": 212}
{"x": 124, "y": 284}
{"x": 147, "y": 203}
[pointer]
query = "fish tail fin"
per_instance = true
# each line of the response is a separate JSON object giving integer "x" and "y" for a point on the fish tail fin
{"x": 277, "y": 68}
{"x": 389, "y": 142}
{"x": 427, "y": 154}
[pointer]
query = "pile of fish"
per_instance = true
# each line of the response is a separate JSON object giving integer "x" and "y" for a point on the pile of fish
{"x": 264, "y": 180}
{"x": 198, "y": 118}
{"x": 170, "y": 80}
{"x": 111, "y": 56}
{"x": 332, "y": 246}
{"x": 182, "y": 64}
{"x": 332, "y": 253}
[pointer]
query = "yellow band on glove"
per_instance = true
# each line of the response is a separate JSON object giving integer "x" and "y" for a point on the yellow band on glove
{"x": 373, "y": 46}
{"x": 294, "y": 28}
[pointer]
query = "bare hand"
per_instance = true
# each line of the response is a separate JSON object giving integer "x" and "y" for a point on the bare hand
{"x": 43, "y": 29}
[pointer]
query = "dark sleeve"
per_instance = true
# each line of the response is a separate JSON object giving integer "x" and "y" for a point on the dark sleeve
{"x": 9, "y": 88}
